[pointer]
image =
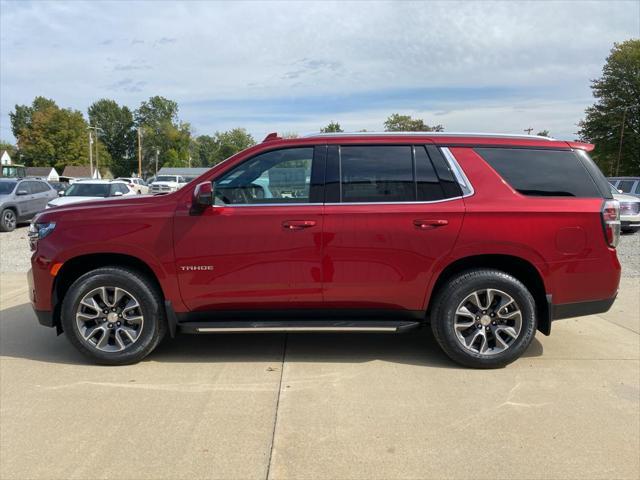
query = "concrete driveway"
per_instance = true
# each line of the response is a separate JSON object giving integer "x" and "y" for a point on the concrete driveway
{"x": 321, "y": 406}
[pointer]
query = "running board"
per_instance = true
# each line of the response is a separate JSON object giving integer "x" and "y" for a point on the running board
{"x": 298, "y": 326}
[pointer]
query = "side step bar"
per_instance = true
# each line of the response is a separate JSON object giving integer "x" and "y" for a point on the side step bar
{"x": 247, "y": 326}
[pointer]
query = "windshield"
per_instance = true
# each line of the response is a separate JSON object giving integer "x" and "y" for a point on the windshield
{"x": 7, "y": 187}
{"x": 88, "y": 190}
{"x": 166, "y": 178}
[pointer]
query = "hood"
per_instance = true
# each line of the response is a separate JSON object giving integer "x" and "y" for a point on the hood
{"x": 172, "y": 182}
{"x": 69, "y": 200}
{"x": 623, "y": 197}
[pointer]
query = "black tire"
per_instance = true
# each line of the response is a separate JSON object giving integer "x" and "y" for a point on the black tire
{"x": 630, "y": 230}
{"x": 443, "y": 314}
{"x": 8, "y": 220}
{"x": 151, "y": 307}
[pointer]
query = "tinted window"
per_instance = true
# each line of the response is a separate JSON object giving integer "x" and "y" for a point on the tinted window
{"x": 541, "y": 172}
{"x": 279, "y": 176}
{"x": 626, "y": 185}
{"x": 88, "y": 190}
{"x": 41, "y": 187}
{"x": 7, "y": 187}
{"x": 449, "y": 184}
{"x": 377, "y": 174}
{"x": 427, "y": 183}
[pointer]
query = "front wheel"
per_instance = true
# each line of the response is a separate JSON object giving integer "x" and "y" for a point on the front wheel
{"x": 8, "y": 220}
{"x": 484, "y": 318}
{"x": 113, "y": 315}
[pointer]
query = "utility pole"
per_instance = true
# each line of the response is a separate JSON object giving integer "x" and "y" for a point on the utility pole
{"x": 624, "y": 116}
{"x": 528, "y": 130}
{"x": 90, "y": 153}
{"x": 139, "y": 153}
{"x": 157, "y": 153}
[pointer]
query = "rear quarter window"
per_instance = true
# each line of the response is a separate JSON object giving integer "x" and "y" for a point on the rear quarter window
{"x": 556, "y": 173}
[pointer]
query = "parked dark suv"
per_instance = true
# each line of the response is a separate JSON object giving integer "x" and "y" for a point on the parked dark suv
{"x": 486, "y": 237}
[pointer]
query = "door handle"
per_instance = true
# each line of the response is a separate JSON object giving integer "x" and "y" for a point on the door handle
{"x": 298, "y": 224}
{"x": 429, "y": 224}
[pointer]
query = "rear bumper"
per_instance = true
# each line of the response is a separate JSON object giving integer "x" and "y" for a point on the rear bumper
{"x": 580, "y": 309}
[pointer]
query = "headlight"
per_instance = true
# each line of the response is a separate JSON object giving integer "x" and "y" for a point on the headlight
{"x": 37, "y": 231}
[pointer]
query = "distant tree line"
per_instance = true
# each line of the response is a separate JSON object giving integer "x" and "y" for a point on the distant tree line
{"x": 48, "y": 135}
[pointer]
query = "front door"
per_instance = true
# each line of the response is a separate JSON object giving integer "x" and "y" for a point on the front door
{"x": 391, "y": 213}
{"x": 260, "y": 246}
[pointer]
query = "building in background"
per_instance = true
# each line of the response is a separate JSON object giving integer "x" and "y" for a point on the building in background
{"x": 49, "y": 174}
{"x": 5, "y": 158}
{"x": 76, "y": 172}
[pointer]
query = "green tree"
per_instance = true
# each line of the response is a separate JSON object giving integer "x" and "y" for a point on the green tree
{"x": 616, "y": 112}
{"x": 163, "y": 134}
{"x": 231, "y": 142}
{"x": 543, "y": 133}
{"x": 117, "y": 133}
{"x": 405, "y": 123}
{"x": 52, "y": 136}
{"x": 332, "y": 127}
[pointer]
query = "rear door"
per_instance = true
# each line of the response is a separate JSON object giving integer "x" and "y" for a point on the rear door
{"x": 28, "y": 203}
{"x": 392, "y": 211}
{"x": 42, "y": 195}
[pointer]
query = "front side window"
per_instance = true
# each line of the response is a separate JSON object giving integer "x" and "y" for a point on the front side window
{"x": 279, "y": 176}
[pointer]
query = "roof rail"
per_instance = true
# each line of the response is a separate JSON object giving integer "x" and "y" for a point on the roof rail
{"x": 431, "y": 134}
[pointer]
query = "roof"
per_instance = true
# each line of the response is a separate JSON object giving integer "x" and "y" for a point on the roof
{"x": 39, "y": 171}
{"x": 437, "y": 138}
{"x": 76, "y": 171}
{"x": 182, "y": 171}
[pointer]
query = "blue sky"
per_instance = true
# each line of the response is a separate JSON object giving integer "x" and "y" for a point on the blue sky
{"x": 295, "y": 66}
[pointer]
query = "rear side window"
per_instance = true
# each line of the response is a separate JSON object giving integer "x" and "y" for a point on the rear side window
{"x": 626, "y": 185}
{"x": 377, "y": 174}
{"x": 540, "y": 172}
{"x": 388, "y": 173}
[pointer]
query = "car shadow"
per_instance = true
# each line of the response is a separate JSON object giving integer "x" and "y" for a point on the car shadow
{"x": 22, "y": 337}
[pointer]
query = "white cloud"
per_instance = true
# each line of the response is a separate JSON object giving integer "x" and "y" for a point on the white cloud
{"x": 198, "y": 51}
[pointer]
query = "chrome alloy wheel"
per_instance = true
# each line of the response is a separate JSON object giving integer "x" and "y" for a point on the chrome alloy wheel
{"x": 488, "y": 321}
{"x": 109, "y": 319}
{"x": 9, "y": 219}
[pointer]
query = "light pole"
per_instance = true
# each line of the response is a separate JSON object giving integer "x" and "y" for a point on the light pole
{"x": 157, "y": 153}
{"x": 96, "y": 129}
{"x": 90, "y": 153}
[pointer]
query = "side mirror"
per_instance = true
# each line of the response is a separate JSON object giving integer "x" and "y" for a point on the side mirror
{"x": 61, "y": 193}
{"x": 117, "y": 194}
{"x": 22, "y": 192}
{"x": 202, "y": 196}
{"x": 620, "y": 191}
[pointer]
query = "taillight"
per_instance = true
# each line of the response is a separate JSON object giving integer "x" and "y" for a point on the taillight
{"x": 611, "y": 222}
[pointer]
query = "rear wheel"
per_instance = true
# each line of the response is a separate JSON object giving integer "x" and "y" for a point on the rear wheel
{"x": 113, "y": 315}
{"x": 484, "y": 318}
{"x": 8, "y": 220}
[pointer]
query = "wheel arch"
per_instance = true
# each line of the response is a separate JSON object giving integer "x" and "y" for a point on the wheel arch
{"x": 75, "y": 267}
{"x": 520, "y": 268}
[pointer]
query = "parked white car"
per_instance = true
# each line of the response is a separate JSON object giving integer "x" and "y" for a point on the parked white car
{"x": 629, "y": 211}
{"x": 167, "y": 183}
{"x": 85, "y": 190}
{"x": 136, "y": 184}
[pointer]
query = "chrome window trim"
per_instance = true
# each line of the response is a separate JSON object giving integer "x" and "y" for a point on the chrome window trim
{"x": 463, "y": 181}
{"x": 336, "y": 203}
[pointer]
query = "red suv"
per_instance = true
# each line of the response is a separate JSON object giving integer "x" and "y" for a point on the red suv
{"x": 486, "y": 237}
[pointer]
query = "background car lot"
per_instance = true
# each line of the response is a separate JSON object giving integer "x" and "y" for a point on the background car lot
{"x": 320, "y": 406}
